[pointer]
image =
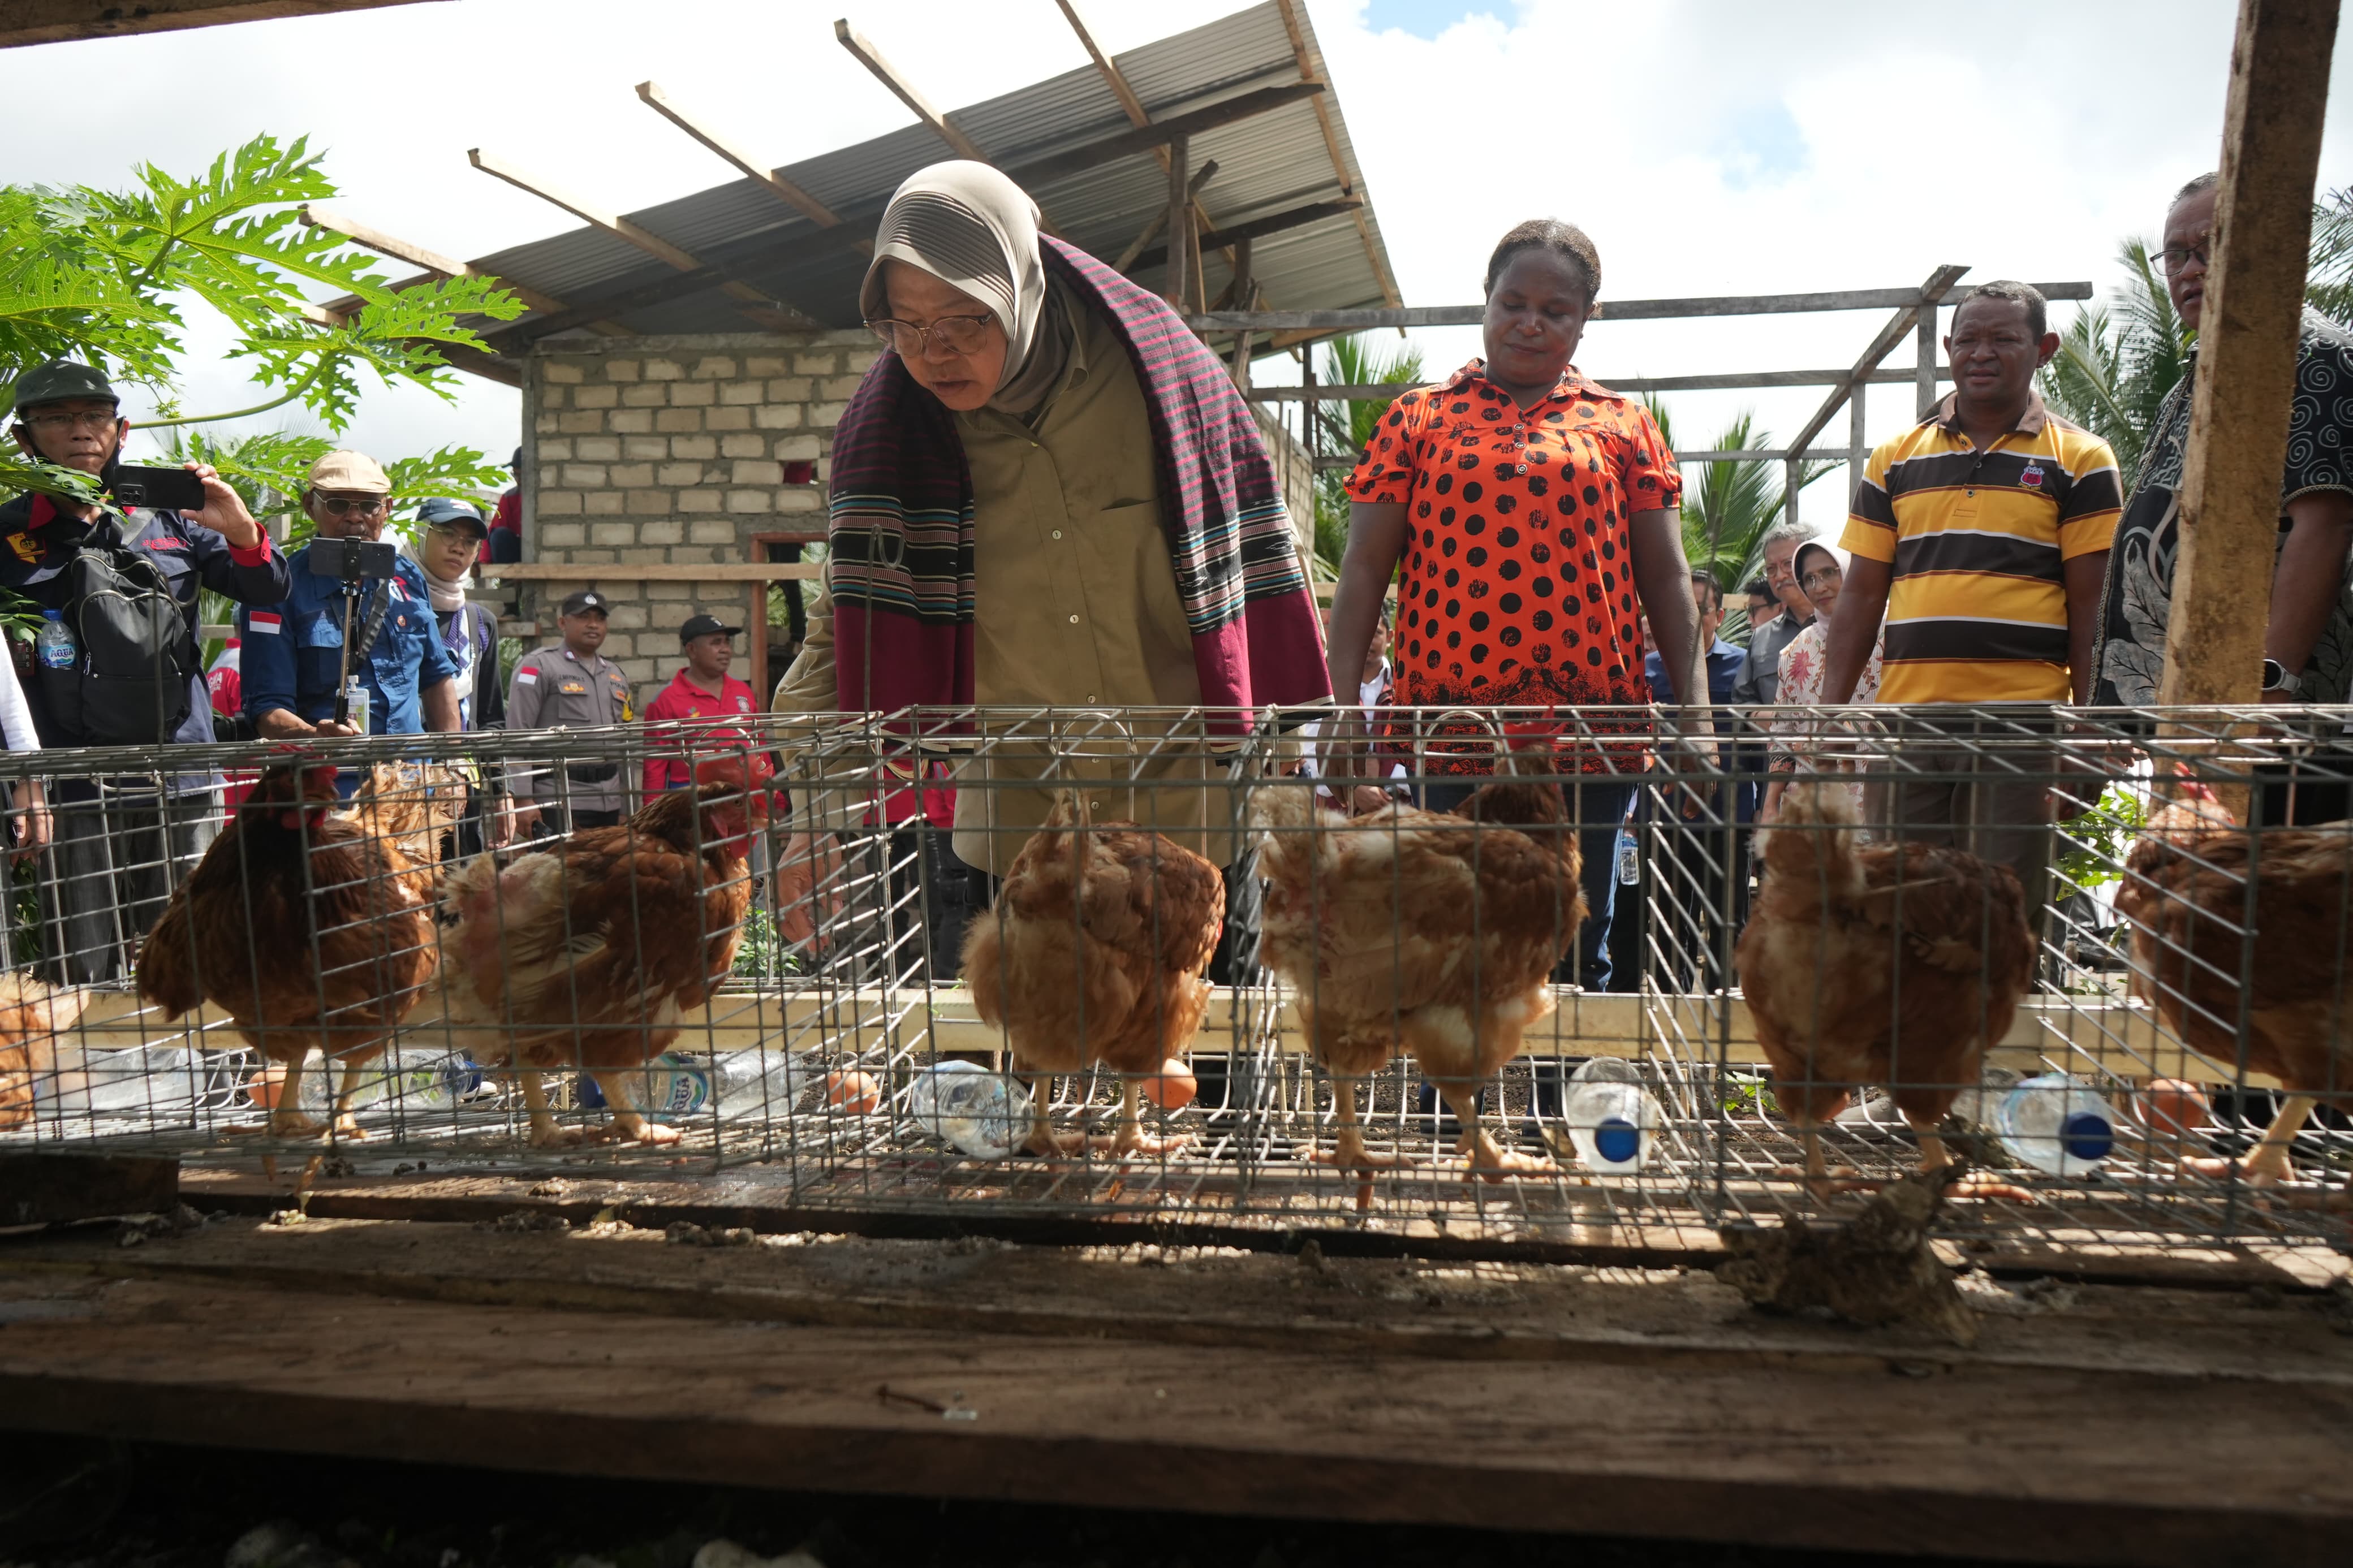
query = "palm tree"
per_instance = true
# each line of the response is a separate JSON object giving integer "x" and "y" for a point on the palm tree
{"x": 2117, "y": 362}
{"x": 1727, "y": 506}
{"x": 1353, "y": 362}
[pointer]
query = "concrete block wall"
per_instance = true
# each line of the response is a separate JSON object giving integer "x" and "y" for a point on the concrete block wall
{"x": 669, "y": 451}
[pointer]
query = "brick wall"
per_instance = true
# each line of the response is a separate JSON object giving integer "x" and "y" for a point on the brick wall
{"x": 669, "y": 451}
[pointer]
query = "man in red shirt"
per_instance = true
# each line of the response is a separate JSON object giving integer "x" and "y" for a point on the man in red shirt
{"x": 702, "y": 694}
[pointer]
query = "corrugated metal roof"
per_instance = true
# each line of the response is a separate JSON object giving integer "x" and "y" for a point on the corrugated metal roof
{"x": 1268, "y": 163}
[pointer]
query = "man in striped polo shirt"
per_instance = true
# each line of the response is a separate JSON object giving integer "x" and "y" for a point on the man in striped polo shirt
{"x": 1980, "y": 536}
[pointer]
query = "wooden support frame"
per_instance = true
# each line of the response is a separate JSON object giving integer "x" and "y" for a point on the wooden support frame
{"x": 24, "y": 21}
{"x": 651, "y": 95}
{"x": 1924, "y": 306}
{"x": 765, "y": 312}
{"x": 2247, "y": 338}
{"x": 1294, "y": 25}
{"x": 1151, "y": 230}
{"x": 1728, "y": 381}
{"x": 1363, "y": 318}
{"x": 435, "y": 264}
{"x": 1256, "y": 229}
{"x": 866, "y": 54}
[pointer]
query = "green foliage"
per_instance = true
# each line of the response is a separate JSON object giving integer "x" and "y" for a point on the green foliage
{"x": 2117, "y": 362}
{"x": 2093, "y": 843}
{"x": 1353, "y": 362}
{"x": 1727, "y": 507}
{"x": 99, "y": 275}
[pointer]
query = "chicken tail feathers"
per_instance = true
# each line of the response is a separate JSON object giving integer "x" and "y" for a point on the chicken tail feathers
{"x": 1287, "y": 824}
{"x": 1813, "y": 839}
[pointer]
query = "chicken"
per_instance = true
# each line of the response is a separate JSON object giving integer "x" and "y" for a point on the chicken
{"x": 31, "y": 1015}
{"x": 289, "y": 872}
{"x": 2186, "y": 894}
{"x": 1424, "y": 931}
{"x": 415, "y": 805}
{"x": 588, "y": 954}
{"x": 1093, "y": 955}
{"x": 1872, "y": 963}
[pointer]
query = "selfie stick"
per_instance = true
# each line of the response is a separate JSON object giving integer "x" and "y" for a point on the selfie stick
{"x": 343, "y": 665}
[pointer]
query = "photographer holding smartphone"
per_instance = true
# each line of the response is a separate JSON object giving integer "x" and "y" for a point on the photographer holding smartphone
{"x": 128, "y": 671}
{"x": 352, "y": 648}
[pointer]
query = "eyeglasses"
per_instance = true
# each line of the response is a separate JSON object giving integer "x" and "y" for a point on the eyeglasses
{"x": 1820, "y": 577}
{"x": 2174, "y": 258}
{"x": 92, "y": 419}
{"x": 364, "y": 506}
{"x": 962, "y": 334}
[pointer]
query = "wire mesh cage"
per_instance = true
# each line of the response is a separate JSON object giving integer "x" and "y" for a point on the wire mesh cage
{"x": 1511, "y": 975}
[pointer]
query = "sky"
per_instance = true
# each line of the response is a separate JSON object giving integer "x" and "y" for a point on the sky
{"x": 1708, "y": 146}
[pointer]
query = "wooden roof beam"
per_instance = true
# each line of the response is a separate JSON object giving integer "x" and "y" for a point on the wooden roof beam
{"x": 55, "y": 21}
{"x": 762, "y": 309}
{"x": 1293, "y": 25}
{"x": 435, "y": 264}
{"x": 651, "y": 95}
{"x": 904, "y": 90}
{"x": 1116, "y": 79}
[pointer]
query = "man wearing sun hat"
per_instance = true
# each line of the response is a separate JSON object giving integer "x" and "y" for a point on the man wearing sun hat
{"x": 294, "y": 653}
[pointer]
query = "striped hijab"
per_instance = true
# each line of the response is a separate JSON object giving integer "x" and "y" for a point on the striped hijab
{"x": 901, "y": 527}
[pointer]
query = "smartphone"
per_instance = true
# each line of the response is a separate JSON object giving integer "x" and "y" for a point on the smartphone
{"x": 160, "y": 490}
{"x": 353, "y": 559}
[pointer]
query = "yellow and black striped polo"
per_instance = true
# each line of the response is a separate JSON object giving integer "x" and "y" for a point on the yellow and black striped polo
{"x": 1978, "y": 612}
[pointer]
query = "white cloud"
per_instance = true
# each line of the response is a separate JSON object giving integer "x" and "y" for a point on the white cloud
{"x": 1710, "y": 146}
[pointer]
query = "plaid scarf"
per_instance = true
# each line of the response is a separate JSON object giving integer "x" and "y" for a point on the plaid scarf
{"x": 901, "y": 525}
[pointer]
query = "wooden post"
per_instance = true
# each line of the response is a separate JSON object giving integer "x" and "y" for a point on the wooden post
{"x": 2246, "y": 354}
{"x": 1858, "y": 449}
{"x": 1180, "y": 226}
{"x": 1243, "y": 289}
{"x": 1924, "y": 362}
{"x": 1790, "y": 467}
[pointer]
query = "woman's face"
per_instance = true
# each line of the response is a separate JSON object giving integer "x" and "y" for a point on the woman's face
{"x": 963, "y": 380}
{"x": 1535, "y": 315}
{"x": 446, "y": 553}
{"x": 1818, "y": 575}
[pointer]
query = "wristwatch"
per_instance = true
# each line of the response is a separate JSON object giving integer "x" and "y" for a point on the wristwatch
{"x": 2277, "y": 679}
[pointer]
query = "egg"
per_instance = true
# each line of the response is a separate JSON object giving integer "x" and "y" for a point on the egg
{"x": 2171, "y": 1107}
{"x": 1171, "y": 1089}
{"x": 263, "y": 1088}
{"x": 855, "y": 1092}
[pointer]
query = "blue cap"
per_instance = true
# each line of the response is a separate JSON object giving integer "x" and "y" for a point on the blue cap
{"x": 1617, "y": 1139}
{"x": 2087, "y": 1136}
{"x": 440, "y": 512}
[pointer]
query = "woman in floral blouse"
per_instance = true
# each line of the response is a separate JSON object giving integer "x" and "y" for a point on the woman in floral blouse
{"x": 1802, "y": 663}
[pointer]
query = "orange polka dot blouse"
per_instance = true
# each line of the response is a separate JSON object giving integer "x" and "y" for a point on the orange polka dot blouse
{"x": 1518, "y": 583}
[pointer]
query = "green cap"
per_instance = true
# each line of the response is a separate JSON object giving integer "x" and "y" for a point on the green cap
{"x": 61, "y": 379}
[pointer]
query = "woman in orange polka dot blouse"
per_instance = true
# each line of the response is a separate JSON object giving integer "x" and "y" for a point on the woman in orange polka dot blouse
{"x": 1534, "y": 513}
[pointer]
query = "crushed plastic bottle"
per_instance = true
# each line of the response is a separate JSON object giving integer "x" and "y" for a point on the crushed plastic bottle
{"x": 1612, "y": 1119}
{"x": 673, "y": 1084}
{"x": 752, "y": 1081}
{"x": 54, "y": 645}
{"x": 984, "y": 1114}
{"x": 2056, "y": 1124}
{"x": 413, "y": 1080}
{"x": 140, "y": 1080}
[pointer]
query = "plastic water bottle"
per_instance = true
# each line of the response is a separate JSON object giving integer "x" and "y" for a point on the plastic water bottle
{"x": 982, "y": 1113}
{"x": 1629, "y": 859}
{"x": 753, "y": 1081}
{"x": 1611, "y": 1117}
{"x": 140, "y": 1080}
{"x": 55, "y": 642}
{"x": 2056, "y": 1124}
{"x": 672, "y": 1084}
{"x": 357, "y": 695}
{"x": 413, "y": 1080}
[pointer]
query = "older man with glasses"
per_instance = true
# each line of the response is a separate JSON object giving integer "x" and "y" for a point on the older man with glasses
{"x": 297, "y": 659}
{"x": 118, "y": 836}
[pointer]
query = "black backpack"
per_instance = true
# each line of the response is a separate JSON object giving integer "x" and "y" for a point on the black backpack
{"x": 130, "y": 686}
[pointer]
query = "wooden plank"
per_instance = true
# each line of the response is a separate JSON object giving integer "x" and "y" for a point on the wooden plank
{"x": 2246, "y": 352}
{"x": 50, "y": 1187}
{"x": 651, "y": 95}
{"x": 867, "y": 55}
{"x": 1256, "y": 229}
{"x": 1178, "y": 226}
{"x": 1940, "y": 283}
{"x": 1357, "y": 320}
{"x": 1965, "y": 1459}
{"x": 1294, "y": 26}
{"x": 1159, "y": 220}
{"x": 1726, "y": 381}
{"x": 24, "y": 21}
{"x": 432, "y": 262}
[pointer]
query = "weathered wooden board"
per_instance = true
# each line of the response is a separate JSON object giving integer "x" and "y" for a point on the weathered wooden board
{"x": 2167, "y": 1443}
{"x": 51, "y": 1186}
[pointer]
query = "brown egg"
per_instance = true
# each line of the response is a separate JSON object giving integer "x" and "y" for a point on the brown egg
{"x": 855, "y": 1092}
{"x": 1173, "y": 1086}
{"x": 263, "y": 1088}
{"x": 2171, "y": 1107}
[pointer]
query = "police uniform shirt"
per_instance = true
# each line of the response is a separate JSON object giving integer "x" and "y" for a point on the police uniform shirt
{"x": 293, "y": 650}
{"x": 554, "y": 688}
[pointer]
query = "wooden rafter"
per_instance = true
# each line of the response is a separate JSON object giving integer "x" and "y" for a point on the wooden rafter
{"x": 904, "y": 90}
{"x": 817, "y": 212}
{"x": 759, "y": 306}
{"x": 435, "y": 264}
{"x": 1309, "y": 71}
{"x": 55, "y": 21}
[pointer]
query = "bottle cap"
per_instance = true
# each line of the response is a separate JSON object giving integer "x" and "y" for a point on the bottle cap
{"x": 1617, "y": 1139}
{"x": 2086, "y": 1135}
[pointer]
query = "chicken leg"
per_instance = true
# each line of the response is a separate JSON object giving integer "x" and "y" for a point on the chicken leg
{"x": 629, "y": 1113}
{"x": 2269, "y": 1165}
{"x": 1488, "y": 1158}
{"x": 545, "y": 1132}
{"x": 1348, "y": 1150}
{"x": 286, "y": 1117}
{"x": 345, "y": 1124}
{"x": 1131, "y": 1139}
{"x": 1935, "y": 1157}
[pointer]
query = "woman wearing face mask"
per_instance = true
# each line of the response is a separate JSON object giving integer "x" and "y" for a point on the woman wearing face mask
{"x": 1048, "y": 493}
{"x": 1819, "y": 574}
{"x": 1534, "y": 512}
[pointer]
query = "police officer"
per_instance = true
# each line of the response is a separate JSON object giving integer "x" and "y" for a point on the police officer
{"x": 294, "y": 650}
{"x": 570, "y": 687}
{"x": 119, "y": 839}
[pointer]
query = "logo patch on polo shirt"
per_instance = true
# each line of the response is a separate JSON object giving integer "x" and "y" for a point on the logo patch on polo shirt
{"x": 261, "y": 623}
{"x": 2032, "y": 477}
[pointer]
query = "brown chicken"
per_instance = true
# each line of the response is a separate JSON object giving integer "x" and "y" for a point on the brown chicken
{"x": 31, "y": 1015}
{"x": 2186, "y": 893}
{"x": 1424, "y": 931}
{"x": 239, "y": 932}
{"x": 415, "y": 804}
{"x": 588, "y": 955}
{"x": 1877, "y": 963}
{"x": 1093, "y": 956}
